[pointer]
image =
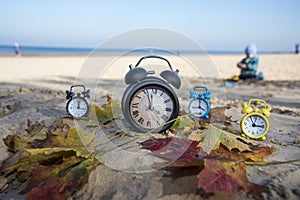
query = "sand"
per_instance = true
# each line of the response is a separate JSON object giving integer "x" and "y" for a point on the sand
{"x": 33, "y": 88}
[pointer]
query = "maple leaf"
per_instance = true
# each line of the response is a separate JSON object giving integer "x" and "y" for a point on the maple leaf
{"x": 184, "y": 123}
{"x": 215, "y": 136}
{"x": 197, "y": 135}
{"x": 58, "y": 164}
{"x": 101, "y": 116}
{"x": 225, "y": 177}
{"x": 258, "y": 153}
{"x": 224, "y": 169}
{"x": 37, "y": 131}
{"x": 58, "y": 183}
{"x": 180, "y": 152}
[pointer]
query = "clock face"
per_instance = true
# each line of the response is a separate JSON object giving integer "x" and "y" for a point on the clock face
{"x": 77, "y": 107}
{"x": 255, "y": 125}
{"x": 151, "y": 107}
{"x": 199, "y": 107}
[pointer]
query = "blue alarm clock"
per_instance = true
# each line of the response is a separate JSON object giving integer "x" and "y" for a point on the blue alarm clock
{"x": 199, "y": 106}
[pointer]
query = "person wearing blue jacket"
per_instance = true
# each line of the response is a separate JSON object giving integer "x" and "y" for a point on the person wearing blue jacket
{"x": 249, "y": 64}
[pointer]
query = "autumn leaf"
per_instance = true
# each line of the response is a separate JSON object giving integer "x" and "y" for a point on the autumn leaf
{"x": 58, "y": 183}
{"x": 225, "y": 177}
{"x": 56, "y": 165}
{"x": 101, "y": 116}
{"x": 180, "y": 152}
{"x": 197, "y": 135}
{"x": 257, "y": 154}
{"x": 37, "y": 132}
{"x": 31, "y": 158}
{"x": 224, "y": 169}
{"x": 67, "y": 139}
{"x": 215, "y": 136}
{"x": 17, "y": 142}
{"x": 156, "y": 144}
{"x": 184, "y": 123}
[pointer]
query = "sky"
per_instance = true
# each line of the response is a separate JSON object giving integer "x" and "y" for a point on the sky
{"x": 273, "y": 25}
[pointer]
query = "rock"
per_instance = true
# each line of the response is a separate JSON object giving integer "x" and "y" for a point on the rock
{"x": 275, "y": 141}
{"x": 297, "y": 141}
{"x": 264, "y": 196}
{"x": 3, "y": 183}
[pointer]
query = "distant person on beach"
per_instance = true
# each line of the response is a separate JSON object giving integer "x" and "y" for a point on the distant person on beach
{"x": 249, "y": 64}
{"x": 297, "y": 48}
{"x": 17, "y": 49}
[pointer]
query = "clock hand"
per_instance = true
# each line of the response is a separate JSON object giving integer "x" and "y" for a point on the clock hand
{"x": 78, "y": 104}
{"x": 151, "y": 100}
{"x": 260, "y": 126}
{"x": 150, "y": 103}
{"x": 255, "y": 119}
{"x": 200, "y": 106}
{"x": 155, "y": 116}
{"x": 251, "y": 119}
{"x": 156, "y": 111}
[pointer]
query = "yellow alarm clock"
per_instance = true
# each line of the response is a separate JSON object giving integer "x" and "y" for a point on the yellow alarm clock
{"x": 255, "y": 123}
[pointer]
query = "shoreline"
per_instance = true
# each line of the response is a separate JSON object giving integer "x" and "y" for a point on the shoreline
{"x": 71, "y": 54}
{"x": 25, "y": 68}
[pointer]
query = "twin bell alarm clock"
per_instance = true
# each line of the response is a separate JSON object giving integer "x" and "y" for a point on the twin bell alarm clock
{"x": 255, "y": 123}
{"x": 77, "y": 105}
{"x": 149, "y": 103}
{"x": 199, "y": 106}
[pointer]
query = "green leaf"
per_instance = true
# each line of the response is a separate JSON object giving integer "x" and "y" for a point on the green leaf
{"x": 101, "y": 116}
{"x": 184, "y": 123}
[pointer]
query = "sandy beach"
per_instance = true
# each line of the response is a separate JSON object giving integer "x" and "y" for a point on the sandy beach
{"x": 33, "y": 88}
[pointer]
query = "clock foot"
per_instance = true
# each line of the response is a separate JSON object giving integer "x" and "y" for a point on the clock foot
{"x": 263, "y": 138}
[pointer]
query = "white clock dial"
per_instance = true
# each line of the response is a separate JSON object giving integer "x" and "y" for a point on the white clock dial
{"x": 77, "y": 107}
{"x": 151, "y": 107}
{"x": 198, "y": 107}
{"x": 254, "y": 125}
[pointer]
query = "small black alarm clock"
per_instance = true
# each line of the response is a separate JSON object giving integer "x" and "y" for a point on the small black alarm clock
{"x": 77, "y": 106}
{"x": 149, "y": 103}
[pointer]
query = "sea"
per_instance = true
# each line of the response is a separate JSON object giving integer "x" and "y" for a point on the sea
{"x": 6, "y": 50}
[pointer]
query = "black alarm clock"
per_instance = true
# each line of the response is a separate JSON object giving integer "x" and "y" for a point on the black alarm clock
{"x": 149, "y": 102}
{"x": 77, "y": 106}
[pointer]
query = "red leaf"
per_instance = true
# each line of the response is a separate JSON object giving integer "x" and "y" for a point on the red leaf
{"x": 185, "y": 152}
{"x": 155, "y": 144}
{"x": 225, "y": 177}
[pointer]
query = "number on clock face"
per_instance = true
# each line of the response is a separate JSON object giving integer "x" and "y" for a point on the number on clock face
{"x": 151, "y": 107}
{"x": 198, "y": 107}
{"x": 255, "y": 125}
{"x": 77, "y": 107}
